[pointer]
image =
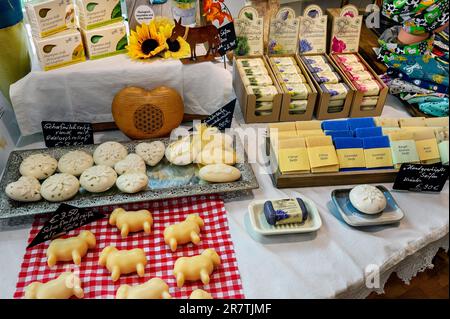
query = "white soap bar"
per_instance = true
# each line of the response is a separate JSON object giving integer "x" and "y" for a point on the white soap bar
{"x": 219, "y": 173}
{"x": 368, "y": 199}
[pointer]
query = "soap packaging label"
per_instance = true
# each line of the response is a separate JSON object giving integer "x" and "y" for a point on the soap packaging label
{"x": 283, "y": 33}
{"x": 65, "y": 219}
{"x": 346, "y": 30}
{"x": 421, "y": 178}
{"x": 140, "y": 12}
{"x": 313, "y": 31}
{"x": 428, "y": 150}
{"x": 351, "y": 158}
{"x": 50, "y": 17}
{"x": 60, "y": 50}
{"x": 404, "y": 152}
{"x": 293, "y": 155}
{"x": 105, "y": 41}
{"x": 378, "y": 157}
{"x": 250, "y": 33}
{"x": 93, "y": 14}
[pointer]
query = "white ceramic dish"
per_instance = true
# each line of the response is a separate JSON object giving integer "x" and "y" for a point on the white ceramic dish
{"x": 392, "y": 214}
{"x": 261, "y": 226}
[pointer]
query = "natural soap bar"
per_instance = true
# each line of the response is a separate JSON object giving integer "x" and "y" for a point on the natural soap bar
{"x": 403, "y": 148}
{"x": 377, "y": 152}
{"x": 105, "y": 41}
{"x": 427, "y": 147}
{"x": 50, "y": 17}
{"x": 292, "y": 156}
{"x": 322, "y": 154}
{"x": 94, "y": 14}
{"x": 350, "y": 152}
{"x": 60, "y": 50}
{"x": 285, "y": 211}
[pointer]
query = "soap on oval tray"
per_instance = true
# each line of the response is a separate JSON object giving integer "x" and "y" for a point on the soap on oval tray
{"x": 285, "y": 211}
{"x": 368, "y": 199}
{"x": 219, "y": 173}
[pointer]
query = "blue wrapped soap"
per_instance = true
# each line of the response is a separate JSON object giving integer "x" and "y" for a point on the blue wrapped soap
{"x": 285, "y": 211}
{"x": 332, "y": 125}
{"x": 353, "y": 124}
{"x": 369, "y": 132}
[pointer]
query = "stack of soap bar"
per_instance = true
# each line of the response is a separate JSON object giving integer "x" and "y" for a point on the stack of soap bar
{"x": 292, "y": 156}
{"x": 336, "y": 128}
{"x": 309, "y": 128}
{"x": 350, "y": 153}
{"x": 403, "y": 147}
{"x": 322, "y": 154}
{"x": 364, "y": 122}
{"x": 255, "y": 77}
{"x": 412, "y": 122}
{"x": 293, "y": 82}
{"x": 377, "y": 152}
{"x": 362, "y": 79}
{"x": 285, "y": 211}
{"x": 387, "y": 124}
{"x": 329, "y": 80}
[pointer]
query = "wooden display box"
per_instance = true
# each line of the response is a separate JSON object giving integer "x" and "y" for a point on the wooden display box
{"x": 322, "y": 104}
{"x": 248, "y": 101}
{"x": 285, "y": 116}
{"x": 356, "y": 108}
{"x": 293, "y": 180}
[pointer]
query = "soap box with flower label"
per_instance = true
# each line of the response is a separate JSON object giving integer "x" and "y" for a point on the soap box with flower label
{"x": 60, "y": 50}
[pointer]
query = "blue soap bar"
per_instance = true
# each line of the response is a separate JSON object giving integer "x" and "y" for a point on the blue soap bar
{"x": 376, "y": 142}
{"x": 335, "y": 125}
{"x": 285, "y": 211}
{"x": 348, "y": 142}
{"x": 369, "y": 132}
{"x": 353, "y": 124}
{"x": 335, "y": 134}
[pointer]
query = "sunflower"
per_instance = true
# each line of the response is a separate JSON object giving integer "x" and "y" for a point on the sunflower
{"x": 164, "y": 26}
{"x": 178, "y": 49}
{"x": 146, "y": 42}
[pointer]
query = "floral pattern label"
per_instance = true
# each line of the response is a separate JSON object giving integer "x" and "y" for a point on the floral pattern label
{"x": 313, "y": 31}
{"x": 346, "y": 31}
{"x": 283, "y": 33}
{"x": 250, "y": 33}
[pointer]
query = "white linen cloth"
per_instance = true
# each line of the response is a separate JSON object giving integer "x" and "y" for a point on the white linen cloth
{"x": 84, "y": 92}
{"x": 327, "y": 264}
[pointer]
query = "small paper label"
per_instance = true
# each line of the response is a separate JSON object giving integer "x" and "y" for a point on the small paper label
{"x": 404, "y": 152}
{"x": 378, "y": 157}
{"x": 351, "y": 158}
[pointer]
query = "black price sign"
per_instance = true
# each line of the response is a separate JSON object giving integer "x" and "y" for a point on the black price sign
{"x": 65, "y": 219}
{"x": 228, "y": 40}
{"x": 222, "y": 118}
{"x": 421, "y": 178}
{"x": 60, "y": 134}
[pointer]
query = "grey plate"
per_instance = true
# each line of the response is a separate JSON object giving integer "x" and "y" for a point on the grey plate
{"x": 166, "y": 181}
{"x": 392, "y": 213}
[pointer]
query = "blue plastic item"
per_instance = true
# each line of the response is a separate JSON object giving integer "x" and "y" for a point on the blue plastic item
{"x": 10, "y": 13}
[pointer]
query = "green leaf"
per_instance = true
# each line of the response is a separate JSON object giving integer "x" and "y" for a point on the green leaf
{"x": 248, "y": 15}
{"x": 48, "y": 48}
{"x": 117, "y": 11}
{"x": 96, "y": 38}
{"x": 91, "y": 6}
{"x": 43, "y": 12}
{"x": 122, "y": 43}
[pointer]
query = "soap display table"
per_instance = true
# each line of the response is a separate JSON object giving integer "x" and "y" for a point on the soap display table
{"x": 84, "y": 92}
{"x": 330, "y": 263}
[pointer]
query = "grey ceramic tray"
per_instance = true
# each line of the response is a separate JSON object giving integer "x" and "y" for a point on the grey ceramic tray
{"x": 166, "y": 181}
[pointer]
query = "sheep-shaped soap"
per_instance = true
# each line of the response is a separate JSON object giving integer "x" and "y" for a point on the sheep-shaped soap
{"x": 63, "y": 287}
{"x": 131, "y": 222}
{"x": 153, "y": 289}
{"x": 70, "y": 249}
{"x": 200, "y": 294}
{"x": 196, "y": 268}
{"x": 184, "y": 232}
{"x": 121, "y": 262}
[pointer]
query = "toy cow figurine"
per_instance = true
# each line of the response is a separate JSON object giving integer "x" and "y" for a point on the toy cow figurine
{"x": 196, "y": 268}
{"x": 153, "y": 289}
{"x": 63, "y": 287}
{"x": 132, "y": 222}
{"x": 120, "y": 262}
{"x": 184, "y": 232}
{"x": 73, "y": 248}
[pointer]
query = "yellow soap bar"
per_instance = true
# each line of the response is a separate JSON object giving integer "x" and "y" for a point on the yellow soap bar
{"x": 378, "y": 157}
{"x": 386, "y": 122}
{"x": 293, "y": 160}
{"x": 310, "y": 133}
{"x": 351, "y": 158}
{"x": 308, "y": 125}
{"x": 437, "y": 122}
{"x": 412, "y": 121}
{"x": 322, "y": 154}
{"x": 287, "y": 126}
{"x": 427, "y": 147}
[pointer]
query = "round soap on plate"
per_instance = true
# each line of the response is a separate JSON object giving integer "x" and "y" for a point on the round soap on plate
{"x": 368, "y": 199}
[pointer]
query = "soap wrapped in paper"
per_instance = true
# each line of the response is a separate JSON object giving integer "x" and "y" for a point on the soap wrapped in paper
{"x": 264, "y": 106}
{"x": 283, "y": 61}
{"x": 263, "y": 93}
{"x": 315, "y": 68}
{"x": 292, "y": 78}
{"x": 253, "y": 71}
{"x": 369, "y": 87}
{"x": 298, "y": 106}
{"x": 285, "y": 211}
{"x": 327, "y": 77}
{"x": 354, "y": 67}
{"x": 257, "y": 80}
{"x": 297, "y": 91}
{"x": 360, "y": 75}
{"x": 288, "y": 69}
{"x": 337, "y": 91}
{"x": 250, "y": 63}
{"x": 314, "y": 59}
{"x": 347, "y": 58}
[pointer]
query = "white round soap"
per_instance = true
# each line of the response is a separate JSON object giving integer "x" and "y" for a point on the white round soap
{"x": 368, "y": 199}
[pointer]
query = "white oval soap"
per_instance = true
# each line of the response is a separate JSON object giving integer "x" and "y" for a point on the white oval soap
{"x": 368, "y": 199}
{"x": 219, "y": 173}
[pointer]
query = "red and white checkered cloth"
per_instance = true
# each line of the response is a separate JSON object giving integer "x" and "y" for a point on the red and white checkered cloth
{"x": 96, "y": 281}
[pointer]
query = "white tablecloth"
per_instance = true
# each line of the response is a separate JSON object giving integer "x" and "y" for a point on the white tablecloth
{"x": 326, "y": 264}
{"x": 84, "y": 92}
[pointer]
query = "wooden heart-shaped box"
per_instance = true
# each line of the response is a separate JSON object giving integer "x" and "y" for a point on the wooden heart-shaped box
{"x": 142, "y": 114}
